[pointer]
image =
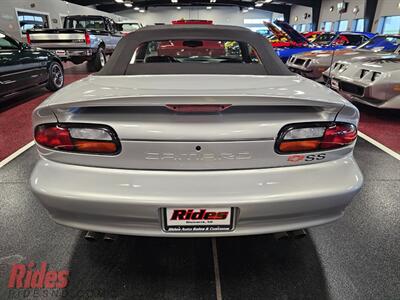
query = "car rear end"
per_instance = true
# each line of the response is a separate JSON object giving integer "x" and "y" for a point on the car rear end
{"x": 195, "y": 154}
{"x": 65, "y": 43}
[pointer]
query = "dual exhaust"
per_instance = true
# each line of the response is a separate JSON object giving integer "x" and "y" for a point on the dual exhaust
{"x": 296, "y": 234}
{"x": 93, "y": 236}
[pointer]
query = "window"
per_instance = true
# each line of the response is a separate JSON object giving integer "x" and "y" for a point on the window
{"x": 324, "y": 39}
{"x": 195, "y": 51}
{"x": 7, "y": 43}
{"x": 390, "y": 25}
{"x": 326, "y": 26}
{"x": 304, "y": 28}
{"x": 28, "y": 20}
{"x": 349, "y": 40}
{"x": 85, "y": 23}
{"x": 128, "y": 27}
{"x": 358, "y": 25}
{"x": 341, "y": 25}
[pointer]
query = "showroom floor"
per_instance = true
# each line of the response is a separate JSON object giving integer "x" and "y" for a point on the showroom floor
{"x": 356, "y": 257}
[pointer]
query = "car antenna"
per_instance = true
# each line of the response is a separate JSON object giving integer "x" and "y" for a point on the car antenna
{"x": 329, "y": 81}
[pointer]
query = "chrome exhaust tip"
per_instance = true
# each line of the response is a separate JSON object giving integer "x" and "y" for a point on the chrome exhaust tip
{"x": 109, "y": 237}
{"x": 92, "y": 236}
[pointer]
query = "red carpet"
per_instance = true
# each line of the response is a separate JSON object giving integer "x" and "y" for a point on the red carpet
{"x": 16, "y": 125}
{"x": 381, "y": 125}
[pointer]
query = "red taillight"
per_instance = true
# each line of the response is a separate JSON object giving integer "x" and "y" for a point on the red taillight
{"x": 78, "y": 138}
{"x": 298, "y": 138}
{"x": 28, "y": 38}
{"x": 198, "y": 108}
{"x": 87, "y": 38}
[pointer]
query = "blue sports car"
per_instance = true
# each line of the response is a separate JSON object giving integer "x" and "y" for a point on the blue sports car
{"x": 326, "y": 41}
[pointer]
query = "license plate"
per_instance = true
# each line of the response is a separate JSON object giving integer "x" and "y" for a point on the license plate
{"x": 60, "y": 53}
{"x": 198, "y": 219}
{"x": 335, "y": 84}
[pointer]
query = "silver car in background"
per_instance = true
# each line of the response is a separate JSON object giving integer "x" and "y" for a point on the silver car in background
{"x": 313, "y": 64}
{"x": 375, "y": 82}
{"x": 195, "y": 143}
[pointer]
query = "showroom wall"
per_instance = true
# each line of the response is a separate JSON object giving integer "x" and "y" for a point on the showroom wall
{"x": 386, "y": 8}
{"x": 298, "y": 12}
{"x": 220, "y": 15}
{"x": 56, "y": 9}
{"x": 334, "y": 15}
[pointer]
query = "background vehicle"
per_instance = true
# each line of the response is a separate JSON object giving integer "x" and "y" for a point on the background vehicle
{"x": 312, "y": 64}
{"x": 375, "y": 82}
{"x": 280, "y": 39}
{"x": 23, "y": 68}
{"x": 326, "y": 41}
{"x": 312, "y": 35}
{"x": 128, "y": 26}
{"x": 83, "y": 38}
{"x": 237, "y": 143}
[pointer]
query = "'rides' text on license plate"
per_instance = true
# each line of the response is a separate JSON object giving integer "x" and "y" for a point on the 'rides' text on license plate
{"x": 198, "y": 219}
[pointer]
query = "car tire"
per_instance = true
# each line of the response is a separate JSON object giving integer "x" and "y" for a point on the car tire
{"x": 98, "y": 61}
{"x": 56, "y": 76}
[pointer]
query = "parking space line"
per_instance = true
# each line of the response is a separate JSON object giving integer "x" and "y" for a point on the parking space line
{"x": 16, "y": 154}
{"x": 379, "y": 145}
{"x": 216, "y": 269}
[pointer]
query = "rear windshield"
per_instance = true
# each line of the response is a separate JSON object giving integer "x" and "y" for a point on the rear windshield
{"x": 195, "y": 51}
{"x": 85, "y": 23}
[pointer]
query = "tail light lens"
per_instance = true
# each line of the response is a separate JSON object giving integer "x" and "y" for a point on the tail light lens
{"x": 87, "y": 38}
{"x": 28, "y": 38}
{"x": 310, "y": 137}
{"x": 82, "y": 138}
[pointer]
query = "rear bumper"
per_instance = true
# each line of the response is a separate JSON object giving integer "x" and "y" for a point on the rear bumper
{"x": 129, "y": 201}
{"x": 84, "y": 53}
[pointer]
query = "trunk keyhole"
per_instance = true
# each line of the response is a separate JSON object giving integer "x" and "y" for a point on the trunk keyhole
{"x": 198, "y": 148}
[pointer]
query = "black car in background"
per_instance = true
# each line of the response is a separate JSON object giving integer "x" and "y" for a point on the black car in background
{"x": 23, "y": 68}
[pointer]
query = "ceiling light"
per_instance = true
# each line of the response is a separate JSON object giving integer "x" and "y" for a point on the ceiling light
{"x": 245, "y": 10}
{"x": 174, "y": 1}
{"x": 128, "y": 4}
{"x": 119, "y": 1}
{"x": 213, "y": 1}
{"x": 136, "y": 8}
{"x": 142, "y": 10}
{"x": 268, "y": 1}
{"x": 251, "y": 8}
{"x": 208, "y": 7}
{"x": 178, "y": 7}
{"x": 259, "y": 4}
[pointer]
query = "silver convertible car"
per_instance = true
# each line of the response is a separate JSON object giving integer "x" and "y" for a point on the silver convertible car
{"x": 375, "y": 82}
{"x": 313, "y": 64}
{"x": 204, "y": 141}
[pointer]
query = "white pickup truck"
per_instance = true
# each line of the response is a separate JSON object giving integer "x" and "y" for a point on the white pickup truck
{"x": 82, "y": 38}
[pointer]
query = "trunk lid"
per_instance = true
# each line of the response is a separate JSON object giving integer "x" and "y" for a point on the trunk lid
{"x": 158, "y": 138}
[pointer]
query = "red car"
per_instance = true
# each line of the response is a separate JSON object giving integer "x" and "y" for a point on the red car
{"x": 185, "y": 48}
{"x": 279, "y": 38}
{"x": 312, "y": 35}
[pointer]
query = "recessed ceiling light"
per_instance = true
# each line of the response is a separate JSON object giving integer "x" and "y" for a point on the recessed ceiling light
{"x": 178, "y": 7}
{"x": 268, "y": 1}
{"x": 259, "y": 4}
{"x": 119, "y": 1}
{"x": 213, "y": 1}
{"x": 136, "y": 8}
{"x": 208, "y": 7}
{"x": 251, "y": 8}
{"x": 128, "y": 4}
{"x": 174, "y": 1}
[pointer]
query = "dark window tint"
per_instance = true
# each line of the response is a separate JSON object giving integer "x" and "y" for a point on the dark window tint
{"x": 7, "y": 43}
{"x": 85, "y": 23}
